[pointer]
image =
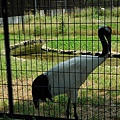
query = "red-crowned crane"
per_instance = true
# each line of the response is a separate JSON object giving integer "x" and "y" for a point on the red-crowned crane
{"x": 68, "y": 76}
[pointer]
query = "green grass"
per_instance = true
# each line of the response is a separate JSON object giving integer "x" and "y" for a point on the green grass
{"x": 82, "y": 43}
{"x": 85, "y": 22}
{"x": 101, "y": 87}
{"x": 78, "y": 43}
{"x": 101, "y": 84}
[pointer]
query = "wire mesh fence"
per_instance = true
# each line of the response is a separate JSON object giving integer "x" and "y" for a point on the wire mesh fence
{"x": 60, "y": 41}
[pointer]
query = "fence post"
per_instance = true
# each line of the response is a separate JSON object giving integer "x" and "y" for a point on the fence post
{"x": 35, "y": 7}
{"x": 7, "y": 51}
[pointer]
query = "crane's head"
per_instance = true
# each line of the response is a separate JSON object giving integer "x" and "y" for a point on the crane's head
{"x": 105, "y": 32}
{"x": 41, "y": 90}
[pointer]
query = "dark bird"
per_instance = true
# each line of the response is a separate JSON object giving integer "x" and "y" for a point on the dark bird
{"x": 68, "y": 76}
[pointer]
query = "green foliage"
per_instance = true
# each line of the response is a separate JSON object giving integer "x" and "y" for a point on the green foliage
{"x": 81, "y": 22}
{"x": 96, "y": 2}
{"x": 62, "y": 26}
{"x": 116, "y": 12}
{"x": 28, "y": 18}
{"x": 92, "y": 12}
{"x": 23, "y": 107}
{"x": 88, "y": 12}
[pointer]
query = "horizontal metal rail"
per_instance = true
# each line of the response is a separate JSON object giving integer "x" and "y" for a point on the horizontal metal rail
{"x": 30, "y": 117}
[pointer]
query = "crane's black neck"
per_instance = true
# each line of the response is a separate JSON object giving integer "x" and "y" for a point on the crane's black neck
{"x": 105, "y": 50}
{"x": 105, "y": 45}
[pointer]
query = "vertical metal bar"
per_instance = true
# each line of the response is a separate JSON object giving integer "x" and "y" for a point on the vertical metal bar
{"x": 7, "y": 51}
{"x": 22, "y": 10}
{"x": 65, "y": 3}
{"x": 35, "y": 7}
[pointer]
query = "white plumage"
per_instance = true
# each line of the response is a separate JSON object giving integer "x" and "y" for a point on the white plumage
{"x": 68, "y": 76}
{"x": 103, "y": 9}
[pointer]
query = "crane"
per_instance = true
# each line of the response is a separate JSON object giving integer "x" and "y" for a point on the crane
{"x": 68, "y": 76}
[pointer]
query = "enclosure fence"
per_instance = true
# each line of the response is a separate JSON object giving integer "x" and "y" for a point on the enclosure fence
{"x": 61, "y": 40}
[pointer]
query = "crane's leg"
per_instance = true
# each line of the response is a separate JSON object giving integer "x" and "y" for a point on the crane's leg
{"x": 67, "y": 111}
{"x": 75, "y": 113}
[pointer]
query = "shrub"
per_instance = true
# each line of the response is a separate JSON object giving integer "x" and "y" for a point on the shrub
{"x": 116, "y": 12}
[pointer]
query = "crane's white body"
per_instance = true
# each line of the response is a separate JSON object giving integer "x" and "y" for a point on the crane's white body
{"x": 69, "y": 75}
